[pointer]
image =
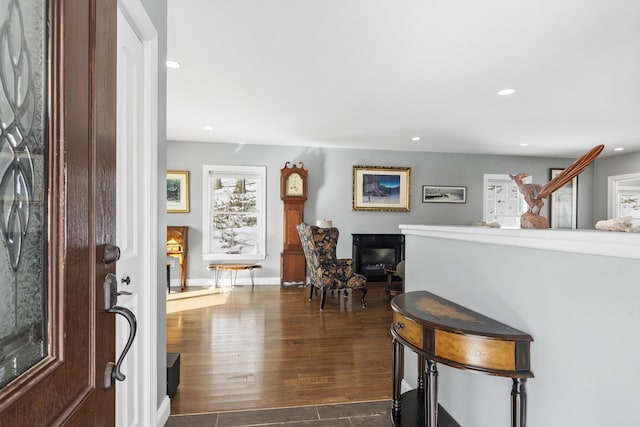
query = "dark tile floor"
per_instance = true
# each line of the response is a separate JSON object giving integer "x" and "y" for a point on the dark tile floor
{"x": 365, "y": 414}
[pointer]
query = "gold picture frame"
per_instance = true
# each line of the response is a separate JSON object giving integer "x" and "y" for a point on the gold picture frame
{"x": 381, "y": 188}
{"x": 177, "y": 191}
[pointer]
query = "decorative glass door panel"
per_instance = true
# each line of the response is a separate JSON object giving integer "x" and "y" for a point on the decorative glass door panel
{"x": 23, "y": 186}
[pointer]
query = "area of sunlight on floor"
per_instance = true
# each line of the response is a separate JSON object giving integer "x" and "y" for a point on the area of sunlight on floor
{"x": 206, "y": 297}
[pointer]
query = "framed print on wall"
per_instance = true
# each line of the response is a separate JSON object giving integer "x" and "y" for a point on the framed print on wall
{"x": 563, "y": 204}
{"x": 177, "y": 191}
{"x": 381, "y": 188}
{"x": 444, "y": 194}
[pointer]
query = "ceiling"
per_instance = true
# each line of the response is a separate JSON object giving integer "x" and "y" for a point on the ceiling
{"x": 375, "y": 73}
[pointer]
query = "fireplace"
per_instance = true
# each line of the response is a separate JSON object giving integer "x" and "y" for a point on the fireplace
{"x": 371, "y": 252}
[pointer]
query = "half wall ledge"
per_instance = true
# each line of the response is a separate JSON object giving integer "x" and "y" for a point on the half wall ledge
{"x": 594, "y": 242}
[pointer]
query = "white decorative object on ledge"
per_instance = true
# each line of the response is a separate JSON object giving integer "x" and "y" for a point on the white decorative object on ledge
{"x": 324, "y": 223}
{"x": 618, "y": 224}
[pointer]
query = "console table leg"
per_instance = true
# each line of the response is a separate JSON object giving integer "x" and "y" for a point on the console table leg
{"x": 168, "y": 278}
{"x": 518, "y": 403}
{"x": 422, "y": 364}
{"x": 432, "y": 394}
{"x": 398, "y": 374}
{"x": 183, "y": 273}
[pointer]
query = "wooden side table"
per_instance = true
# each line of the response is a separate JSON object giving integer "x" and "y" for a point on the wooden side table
{"x": 440, "y": 331}
{"x": 393, "y": 289}
{"x": 233, "y": 271}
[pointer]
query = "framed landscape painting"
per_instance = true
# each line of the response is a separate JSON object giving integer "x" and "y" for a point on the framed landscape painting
{"x": 381, "y": 188}
{"x": 177, "y": 191}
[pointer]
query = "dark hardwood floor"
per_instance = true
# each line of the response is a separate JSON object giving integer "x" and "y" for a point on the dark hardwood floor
{"x": 269, "y": 347}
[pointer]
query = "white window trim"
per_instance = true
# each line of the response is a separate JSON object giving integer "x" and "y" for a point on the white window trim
{"x": 616, "y": 184}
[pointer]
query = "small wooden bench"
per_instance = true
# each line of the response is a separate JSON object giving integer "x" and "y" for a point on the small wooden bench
{"x": 233, "y": 271}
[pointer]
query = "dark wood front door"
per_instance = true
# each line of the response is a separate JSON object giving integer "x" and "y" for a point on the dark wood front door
{"x": 65, "y": 387}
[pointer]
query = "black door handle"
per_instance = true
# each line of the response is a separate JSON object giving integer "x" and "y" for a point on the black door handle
{"x": 112, "y": 370}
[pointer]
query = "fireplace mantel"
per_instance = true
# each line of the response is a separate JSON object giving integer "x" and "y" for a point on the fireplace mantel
{"x": 595, "y": 242}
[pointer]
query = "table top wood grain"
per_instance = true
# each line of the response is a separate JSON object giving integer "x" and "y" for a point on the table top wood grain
{"x": 435, "y": 311}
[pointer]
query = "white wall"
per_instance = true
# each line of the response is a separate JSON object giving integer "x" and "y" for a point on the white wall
{"x": 330, "y": 190}
{"x": 583, "y": 312}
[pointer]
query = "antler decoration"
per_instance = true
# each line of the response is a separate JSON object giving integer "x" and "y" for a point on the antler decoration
{"x": 534, "y": 193}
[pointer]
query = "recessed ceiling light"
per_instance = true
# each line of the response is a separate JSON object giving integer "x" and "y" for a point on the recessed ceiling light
{"x": 415, "y": 138}
{"x": 618, "y": 149}
{"x": 208, "y": 128}
{"x": 172, "y": 64}
{"x": 505, "y": 92}
{"x": 524, "y": 144}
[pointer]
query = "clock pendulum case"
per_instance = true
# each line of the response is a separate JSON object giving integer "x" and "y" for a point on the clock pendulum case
{"x": 293, "y": 192}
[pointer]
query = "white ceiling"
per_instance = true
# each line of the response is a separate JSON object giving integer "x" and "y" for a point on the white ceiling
{"x": 375, "y": 73}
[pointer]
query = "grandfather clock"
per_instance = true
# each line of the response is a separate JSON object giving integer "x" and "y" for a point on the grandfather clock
{"x": 293, "y": 192}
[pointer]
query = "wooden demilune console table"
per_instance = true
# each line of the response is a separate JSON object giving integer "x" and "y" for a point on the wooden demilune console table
{"x": 440, "y": 331}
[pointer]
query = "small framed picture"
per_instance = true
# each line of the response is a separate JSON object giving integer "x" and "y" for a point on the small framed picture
{"x": 444, "y": 194}
{"x": 177, "y": 191}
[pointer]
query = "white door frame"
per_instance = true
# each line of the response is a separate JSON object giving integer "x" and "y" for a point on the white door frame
{"x": 145, "y": 403}
{"x": 613, "y": 183}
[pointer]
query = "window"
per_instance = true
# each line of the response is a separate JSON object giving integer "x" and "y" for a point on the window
{"x": 624, "y": 196}
{"x": 502, "y": 201}
{"x": 234, "y": 213}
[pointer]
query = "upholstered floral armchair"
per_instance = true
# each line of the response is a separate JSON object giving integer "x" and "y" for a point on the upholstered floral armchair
{"x": 324, "y": 269}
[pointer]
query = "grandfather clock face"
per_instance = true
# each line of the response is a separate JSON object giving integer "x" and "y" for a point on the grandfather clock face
{"x": 294, "y": 185}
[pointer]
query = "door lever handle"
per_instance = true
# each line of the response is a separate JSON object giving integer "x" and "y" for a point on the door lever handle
{"x": 112, "y": 370}
{"x": 111, "y": 292}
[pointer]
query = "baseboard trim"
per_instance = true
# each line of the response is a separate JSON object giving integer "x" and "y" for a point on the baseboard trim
{"x": 225, "y": 282}
{"x": 164, "y": 411}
